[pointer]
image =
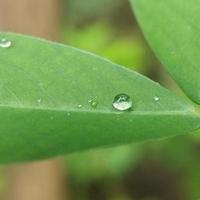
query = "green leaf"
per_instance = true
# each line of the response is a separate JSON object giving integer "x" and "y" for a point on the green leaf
{"x": 43, "y": 84}
{"x": 172, "y": 29}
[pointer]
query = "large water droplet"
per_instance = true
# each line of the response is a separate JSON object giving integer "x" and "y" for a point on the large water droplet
{"x": 122, "y": 102}
{"x": 4, "y": 43}
{"x": 93, "y": 102}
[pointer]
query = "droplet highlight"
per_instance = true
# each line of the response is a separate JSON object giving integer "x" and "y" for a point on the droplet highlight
{"x": 4, "y": 43}
{"x": 122, "y": 102}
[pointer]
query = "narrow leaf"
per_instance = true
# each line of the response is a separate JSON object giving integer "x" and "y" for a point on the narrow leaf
{"x": 56, "y": 99}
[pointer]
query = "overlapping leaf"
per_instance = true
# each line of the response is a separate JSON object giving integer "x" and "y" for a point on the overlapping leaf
{"x": 172, "y": 29}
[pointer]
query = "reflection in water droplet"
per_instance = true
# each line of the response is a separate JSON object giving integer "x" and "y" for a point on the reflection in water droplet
{"x": 39, "y": 100}
{"x": 4, "y": 43}
{"x": 156, "y": 98}
{"x": 93, "y": 102}
{"x": 122, "y": 102}
{"x": 80, "y": 106}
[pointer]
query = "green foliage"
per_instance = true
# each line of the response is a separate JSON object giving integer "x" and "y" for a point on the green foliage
{"x": 127, "y": 50}
{"x": 93, "y": 38}
{"x": 172, "y": 29}
{"x": 43, "y": 85}
{"x": 84, "y": 166}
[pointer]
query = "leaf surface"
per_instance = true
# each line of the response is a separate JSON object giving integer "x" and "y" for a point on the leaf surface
{"x": 45, "y": 102}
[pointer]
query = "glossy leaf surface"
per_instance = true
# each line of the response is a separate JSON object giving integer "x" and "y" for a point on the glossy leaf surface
{"x": 45, "y": 102}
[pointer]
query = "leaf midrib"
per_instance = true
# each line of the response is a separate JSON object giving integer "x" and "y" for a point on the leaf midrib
{"x": 193, "y": 112}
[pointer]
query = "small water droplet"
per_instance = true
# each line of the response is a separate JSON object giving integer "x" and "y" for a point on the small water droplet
{"x": 156, "y": 98}
{"x": 4, "y": 43}
{"x": 80, "y": 106}
{"x": 93, "y": 102}
{"x": 122, "y": 102}
{"x": 68, "y": 114}
{"x": 39, "y": 100}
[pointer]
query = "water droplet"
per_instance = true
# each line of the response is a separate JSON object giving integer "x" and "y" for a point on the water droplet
{"x": 93, "y": 102}
{"x": 156, "y": 98}
{"x": 122, "y": 102}
{"x": 39, "y": 100}
{"x": 80, "y": 106}
{"x": 4, "y": 43}
{"x": 68, "y": 114}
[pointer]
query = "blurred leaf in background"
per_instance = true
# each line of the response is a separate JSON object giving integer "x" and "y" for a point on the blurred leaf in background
{"x": 100, "y": 163}
{"x": 125, "y": 49}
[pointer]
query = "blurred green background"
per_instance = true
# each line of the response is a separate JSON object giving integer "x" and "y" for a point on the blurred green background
{"x": 158, "y": 170}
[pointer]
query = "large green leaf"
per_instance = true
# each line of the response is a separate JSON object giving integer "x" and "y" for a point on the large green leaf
{"x": 43, "y": 84}
{"x": 172, "y": 29}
